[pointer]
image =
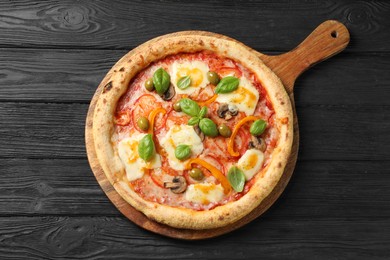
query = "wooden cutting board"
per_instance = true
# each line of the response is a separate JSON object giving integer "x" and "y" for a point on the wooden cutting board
{"x": 326, "y": 40}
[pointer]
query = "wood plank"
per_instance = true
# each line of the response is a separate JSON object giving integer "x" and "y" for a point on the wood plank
{"x": 63, "y": 187}
{"x": 34, "y": 75}
{"x": 36, "y": 130}
{"x": 42, "y": 130}
{"x": 340, "y": 190}
{"x": 73, "y": 75}
{"x": 116, "y": 238}
{"x": 346, "y": 79}
{"x": 263, "y": 25}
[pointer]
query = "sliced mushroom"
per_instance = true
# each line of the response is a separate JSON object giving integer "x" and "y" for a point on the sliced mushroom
{"x": 169, "y": 94}
{"x": 178, "y": 184}
{"x": 226, "y": 111}
{"x": 257, "y": 142}
{"x": 222, "y": 109}
{"x": 199, "y": 132}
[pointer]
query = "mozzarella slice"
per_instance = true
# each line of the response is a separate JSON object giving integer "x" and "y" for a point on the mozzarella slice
{"x": 245, "y": 97}
{"x": 250, "y": 163}
{"x": 197, "y": 70}
{"x": 181, "y": 134}
{"x": 134, "y": 165}
{"x": 204, "y": 193}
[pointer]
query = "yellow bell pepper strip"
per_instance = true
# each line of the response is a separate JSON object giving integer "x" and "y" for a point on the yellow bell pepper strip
{"x": 152, "y": 117}
{"x": 208, "y": 101}
{"x": 235, "y": 131}
{"x": 214, "y": 171}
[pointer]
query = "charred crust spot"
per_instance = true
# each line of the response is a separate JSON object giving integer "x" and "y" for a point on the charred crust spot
{"x": 122, "y": 69}
{"x": 284, "y": 120}
{"x": 221, "y": 218}
{"x": 201, "y": 43}
{"x": 104, "y": 101}
{"x": 279, "y": 165}
{"x": 107, "y": 87}
{"x": 282, "y": 103}
{"x": 114, "y": 70}
{"x": 286, "y": 135}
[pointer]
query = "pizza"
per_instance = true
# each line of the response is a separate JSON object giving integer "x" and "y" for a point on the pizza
{"x": 193, "y": 130}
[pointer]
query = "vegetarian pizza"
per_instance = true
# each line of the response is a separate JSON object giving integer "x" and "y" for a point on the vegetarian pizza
{"x": 192, "y": 130}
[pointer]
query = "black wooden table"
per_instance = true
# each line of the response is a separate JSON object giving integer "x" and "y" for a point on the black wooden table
{"x": 54, "y": 54}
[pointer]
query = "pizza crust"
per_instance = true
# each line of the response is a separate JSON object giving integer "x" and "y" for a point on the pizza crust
{"x": 115, "y": 84}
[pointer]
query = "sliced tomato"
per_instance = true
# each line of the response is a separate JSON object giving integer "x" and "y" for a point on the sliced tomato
{"x": 218, "y": 146}
{"x": 204, "y": 94}
{"x": 156, "y": 178}
{"x": 225, "y": 71}
{"x": 159, "y": 121}
{"x": 143, "y": 106}
{"x": 175, "y": 118}
{"x": 166, "y": 168}
{"x": 215, "y": 161}
{"x": 245, "y": 136}
{"x": 147, "y": 102}
{"x": 159, "y": 176}
{"x": 123, "y": 118}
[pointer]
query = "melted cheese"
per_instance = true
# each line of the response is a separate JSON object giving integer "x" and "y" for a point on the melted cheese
{"x": 197, "y": 70}
{"x": 204, "y": 193}
{"x": 250, "y": 163}
{"x": 181, "y": 134}
{"x": 134, "y": 165}
{"x": 245, "y": 97}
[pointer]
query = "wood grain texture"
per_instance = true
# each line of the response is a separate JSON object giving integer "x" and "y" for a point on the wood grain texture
{"x": 124, "y": 25}
{"x": 59, "y": 187}
{"x": 117, "y": 238}
{"x": 328, "y": 132}
{"x": 35, "y": 75}
{"x": 71, "y": 76}
{"x": 340, "y": 190}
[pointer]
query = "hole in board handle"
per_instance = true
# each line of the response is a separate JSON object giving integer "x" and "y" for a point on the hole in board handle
{"x": 334, "y": 34}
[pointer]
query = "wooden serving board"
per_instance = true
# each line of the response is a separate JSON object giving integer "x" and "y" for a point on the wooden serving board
{"x": 326, "y": 40}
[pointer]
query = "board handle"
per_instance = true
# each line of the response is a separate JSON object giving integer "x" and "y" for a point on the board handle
{"x": 328, "y": 39}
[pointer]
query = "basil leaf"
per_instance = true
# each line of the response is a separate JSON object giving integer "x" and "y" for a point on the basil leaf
{"x": 203, "y": 112}
{"x": 236, "y": 178}
{"x": 189, "y": 107}
{"x": 184, "y": 82}
{"x": 146, "y": 148}
{"x": 161, "y": 81}
{"x": 183, "y": 152}
{"x": 258, "y": 127}
{"x": 227, "y": 85}
{"x": 208, "y": 127}
{"x": 193, "y": 120}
